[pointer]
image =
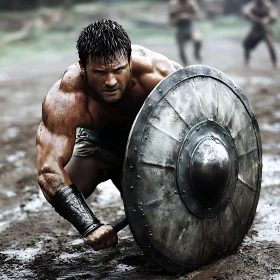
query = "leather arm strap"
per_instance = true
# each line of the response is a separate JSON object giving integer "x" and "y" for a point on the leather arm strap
{"x": 71, "y": 205}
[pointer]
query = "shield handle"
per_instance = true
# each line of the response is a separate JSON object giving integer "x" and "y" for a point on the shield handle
{"x": 120, "y": 223}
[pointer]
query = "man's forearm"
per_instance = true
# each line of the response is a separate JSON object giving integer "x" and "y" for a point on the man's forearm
{"x": 50, "y": 183}
{"x": 252, "y": 17}
{"x": 69, "y": 202}
{"x": 71, "y": 205}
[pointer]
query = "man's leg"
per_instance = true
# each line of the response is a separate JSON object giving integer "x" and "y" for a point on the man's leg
{"x": 181, "y": 46}
{"x": 246, "y": 47}
{"x": 272, "y": 52}
{"x": 196, "y": 37}
{"x": 246, "y": 56}
{"x": 90, "y": 164}
{"x": 197, "y": 47}
{"x": 251, "y": 41}
{"x": 86, "y": 172}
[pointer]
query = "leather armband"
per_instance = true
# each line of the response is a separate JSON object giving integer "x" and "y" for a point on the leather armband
{"x": 71, "y": 205}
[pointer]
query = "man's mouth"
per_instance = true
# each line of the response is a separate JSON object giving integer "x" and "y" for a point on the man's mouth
{"x": 111, "y": 89}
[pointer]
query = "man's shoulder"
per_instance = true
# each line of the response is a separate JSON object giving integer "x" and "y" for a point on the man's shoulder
{"x": 145, "y": 60}
{"x": 140, "y": 51}
{"x": 71, "y": 80}
{"x": 141, "y": 59}
{"x": 68, "y": 90}
{"x": 69, "y": 83}
{"x": 149, "y": 67}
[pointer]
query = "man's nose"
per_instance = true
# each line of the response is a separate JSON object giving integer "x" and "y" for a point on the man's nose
{"x": 110, "y": 80}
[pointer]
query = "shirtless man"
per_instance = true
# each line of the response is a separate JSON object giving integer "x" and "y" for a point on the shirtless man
{"x": 260, "y": 13}
{"x": 182, "y": 13}
{"x": 101, "y": 94}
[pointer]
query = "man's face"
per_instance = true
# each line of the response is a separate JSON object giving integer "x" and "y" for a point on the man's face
{"x": 110, "y": 80}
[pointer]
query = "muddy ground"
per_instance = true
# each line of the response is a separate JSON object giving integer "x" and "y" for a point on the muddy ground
{"x": 35, "y": 243}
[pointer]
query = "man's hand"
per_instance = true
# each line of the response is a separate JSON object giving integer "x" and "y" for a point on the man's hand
{"x": 102, "y": 238}
{"x": 185, "y": 15}
{"x": 265, "y": 20}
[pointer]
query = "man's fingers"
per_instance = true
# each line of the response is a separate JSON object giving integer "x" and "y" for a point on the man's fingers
{"x": 103, "y": 244}
{"x": 93, "y": 244}
{"x": 113, "y": 241}
{"x": 104, "y": 237}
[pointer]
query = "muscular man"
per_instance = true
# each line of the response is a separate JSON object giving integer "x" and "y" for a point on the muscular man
{"x": 182, "y": 13}
{"x": 260, "y": 13}
{"x": 101, "y": 95}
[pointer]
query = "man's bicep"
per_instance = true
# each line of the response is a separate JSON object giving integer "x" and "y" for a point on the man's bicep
{"x": 54, "y": 149}
{"x": 61, "y": 115}
{"x": 53, "y": 153}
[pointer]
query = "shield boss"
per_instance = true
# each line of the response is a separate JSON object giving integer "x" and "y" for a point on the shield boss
{"x": 192, "y": 170}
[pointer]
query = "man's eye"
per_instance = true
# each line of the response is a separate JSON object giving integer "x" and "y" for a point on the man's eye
{"x": 98, "y": 72}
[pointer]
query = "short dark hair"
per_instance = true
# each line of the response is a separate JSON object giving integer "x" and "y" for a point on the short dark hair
{"x": 103, "y": 39}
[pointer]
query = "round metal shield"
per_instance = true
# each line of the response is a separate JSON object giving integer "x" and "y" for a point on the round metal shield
{"x": 192, "y": 170}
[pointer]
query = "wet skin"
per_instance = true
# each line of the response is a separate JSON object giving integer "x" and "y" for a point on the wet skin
{"x": 98, "y": 97}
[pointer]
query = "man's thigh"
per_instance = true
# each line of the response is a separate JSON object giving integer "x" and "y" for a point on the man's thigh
{"x": 90, "y": 164}
{"x": 86, "y": 173}
{"x": 268, "y": 40}
{"x": 253, "y": 39}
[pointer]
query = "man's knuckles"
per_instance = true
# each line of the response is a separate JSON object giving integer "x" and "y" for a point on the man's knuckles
{"x": 111, "y": 243}
{"x": 102, "y": 238}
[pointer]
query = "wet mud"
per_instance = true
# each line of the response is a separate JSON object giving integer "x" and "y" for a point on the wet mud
{"x": 36, "y": 243}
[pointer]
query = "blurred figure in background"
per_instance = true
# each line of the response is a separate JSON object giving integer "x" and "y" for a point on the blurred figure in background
{"x": 182, "y": 13}
{"x": 260, "y": 13}
{"x": 213, "y": 8}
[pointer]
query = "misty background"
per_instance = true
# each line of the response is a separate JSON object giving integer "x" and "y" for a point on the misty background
{"x": 44, "y": 29}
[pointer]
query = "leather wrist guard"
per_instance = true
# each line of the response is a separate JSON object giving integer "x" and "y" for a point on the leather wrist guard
{"x": 71, "y": 205}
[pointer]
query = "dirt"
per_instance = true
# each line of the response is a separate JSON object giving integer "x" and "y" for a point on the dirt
{"x": 36, "y": 243}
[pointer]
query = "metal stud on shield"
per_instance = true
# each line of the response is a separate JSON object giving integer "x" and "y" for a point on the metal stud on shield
{"x": 195, "y": 149}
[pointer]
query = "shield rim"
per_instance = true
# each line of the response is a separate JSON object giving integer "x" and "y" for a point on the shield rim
{"x": 132, "y": 209}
